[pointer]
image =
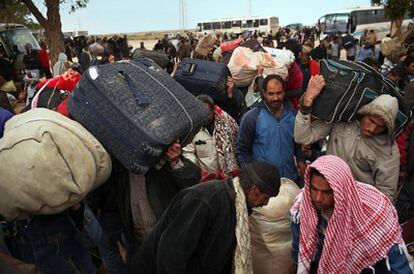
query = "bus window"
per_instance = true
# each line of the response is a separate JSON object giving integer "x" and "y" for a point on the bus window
{"x": 199, "y": 27}
{"x": 247, "y": 23}
{"x": 17, "y": 38}
{"x": 256, "y": 23}
{"x": 226, "y": 25}
{"x": 263, "y": 22}
{"x": 353, "y": 23}
{"x": 206, "y": 26}
{"x": 342, "y": 21}
{"x": 330, "y": 23}
{"x": 370, "y": 17}
{"x": 236, "y": 24}
{"x": 216, "y": 25}
{"x": 321, "y": 24}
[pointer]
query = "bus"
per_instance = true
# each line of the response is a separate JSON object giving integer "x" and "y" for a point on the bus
{"x": 295, "y": 26}
{"x": 239, "y": 24}
{"x": 356, "y": 20}
{"x": 75, "y": 33}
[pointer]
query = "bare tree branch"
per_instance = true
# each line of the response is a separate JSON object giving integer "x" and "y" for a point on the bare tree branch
{"x": 35, "y": 11}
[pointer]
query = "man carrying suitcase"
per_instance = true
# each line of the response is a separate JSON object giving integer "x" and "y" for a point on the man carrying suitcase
{"x": 366, "y": 144}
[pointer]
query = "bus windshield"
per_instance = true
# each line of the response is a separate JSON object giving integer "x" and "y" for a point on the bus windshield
{"x": 17, "y": 38}
{"x": 336, "y": 22}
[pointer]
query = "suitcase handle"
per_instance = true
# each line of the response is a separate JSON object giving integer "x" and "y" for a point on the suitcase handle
{"x": 139, "y": 98}
{"x": 189, "y": 69}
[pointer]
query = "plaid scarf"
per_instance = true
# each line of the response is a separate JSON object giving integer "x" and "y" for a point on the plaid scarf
{"x": 361, "y": 231}
{"x": 225, "y": 135}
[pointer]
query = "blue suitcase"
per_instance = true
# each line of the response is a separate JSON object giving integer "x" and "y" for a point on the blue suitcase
{"x": 136, "y": 110}
{"x": 203, "y": 77}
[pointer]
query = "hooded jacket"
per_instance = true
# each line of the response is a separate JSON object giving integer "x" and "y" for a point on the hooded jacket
{"x": 374, "y": 160}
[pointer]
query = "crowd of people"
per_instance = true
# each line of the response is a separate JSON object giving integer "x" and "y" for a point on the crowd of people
{"x": 191, "y": 215}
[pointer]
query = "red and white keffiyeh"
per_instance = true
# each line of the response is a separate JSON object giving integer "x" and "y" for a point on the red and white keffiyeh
{"x": 363, "y": 227}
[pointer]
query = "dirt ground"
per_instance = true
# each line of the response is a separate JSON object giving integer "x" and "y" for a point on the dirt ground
{"x": 148, "y": 44}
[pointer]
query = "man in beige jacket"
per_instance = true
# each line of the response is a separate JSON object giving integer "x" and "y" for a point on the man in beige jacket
{"x": 366, "y": 144}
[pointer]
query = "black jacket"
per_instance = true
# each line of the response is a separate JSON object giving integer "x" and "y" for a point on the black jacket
{"x": 196, "y": 234}
{"x": 162, "y": 185}
{"x": 31, "y": 60}
{"x": 114, "y": 195}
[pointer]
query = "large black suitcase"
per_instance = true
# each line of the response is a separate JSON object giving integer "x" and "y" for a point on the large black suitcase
{"x": 136, "y": 110}
{"x": 351, "y": 85}
{"x": 203, "y": 77}
{"x": 158, "y": 57}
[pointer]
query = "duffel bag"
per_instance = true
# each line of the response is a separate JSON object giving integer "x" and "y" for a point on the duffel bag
{"x": 158, "y": 57}
{"x": 49, "y": 98}
{"x": 48, "y": 163}
{"x": 348, "y": 41}
{"x": 351, "y": 85}
{"x": 203, "y": 77}
{"x": 136, "y": 110}
{"x": 53, "y": 92}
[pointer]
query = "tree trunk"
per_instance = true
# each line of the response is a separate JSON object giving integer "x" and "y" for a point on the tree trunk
{"x": 52, "y": 26}
{"x": 54, "y": 30}
{"x": 396, "y": 26}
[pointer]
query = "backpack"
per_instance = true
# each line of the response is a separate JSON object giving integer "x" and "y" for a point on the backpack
{"x": 348, "y": 41}
{"x": 351, "y": 85}
{"x": 48, "y": 97}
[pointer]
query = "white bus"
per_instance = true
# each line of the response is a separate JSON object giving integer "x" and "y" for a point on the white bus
{"x": 239, "y": 24}
{"x": 356, "y": 20}
{"x": 75, "y": 33}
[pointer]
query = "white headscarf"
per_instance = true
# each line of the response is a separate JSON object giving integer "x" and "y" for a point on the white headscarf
{"x": 60, "y": 66}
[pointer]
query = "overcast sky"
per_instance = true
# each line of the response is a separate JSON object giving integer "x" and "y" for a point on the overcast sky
{"x": 124, "y": 16}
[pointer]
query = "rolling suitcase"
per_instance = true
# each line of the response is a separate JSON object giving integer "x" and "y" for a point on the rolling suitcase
{"x": 136, "y": 110}
{"x": 203, "y": 77}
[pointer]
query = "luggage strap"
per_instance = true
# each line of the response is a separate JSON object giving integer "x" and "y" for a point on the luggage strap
{"x": 175, "y": 98}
